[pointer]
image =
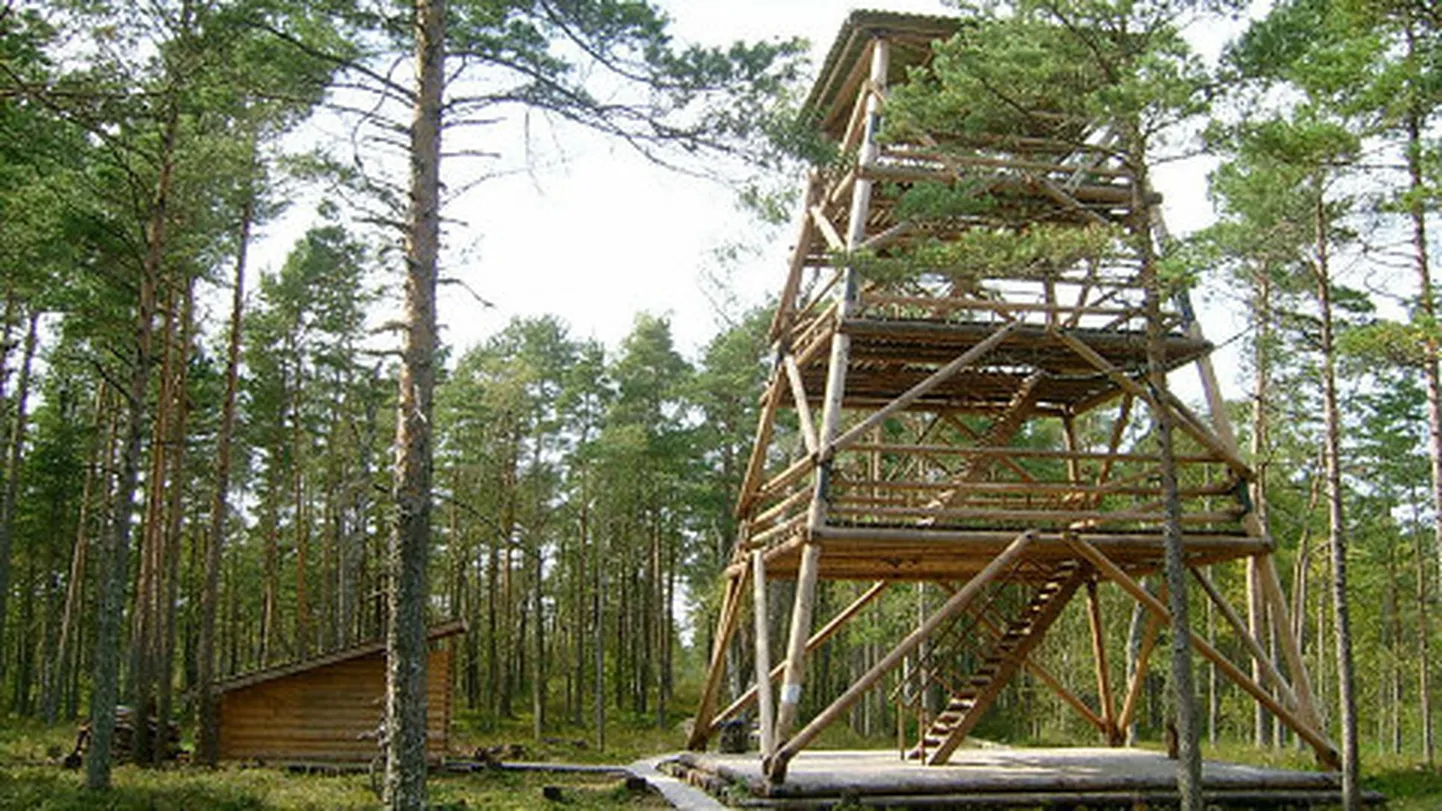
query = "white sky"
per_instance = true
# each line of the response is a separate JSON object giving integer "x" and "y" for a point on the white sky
{"x": 608, "y": 235}
{"x": 600, "y": 234}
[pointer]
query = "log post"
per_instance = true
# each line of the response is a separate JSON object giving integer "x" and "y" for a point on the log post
{"x": 766, "y": 711}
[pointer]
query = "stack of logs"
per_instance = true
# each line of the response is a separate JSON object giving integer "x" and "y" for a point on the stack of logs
{"x": 122, "y": 748}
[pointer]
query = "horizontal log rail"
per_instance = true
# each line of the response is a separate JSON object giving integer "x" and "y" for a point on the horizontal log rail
{"x": 908, "y": 152}
{"x": 1086, "y": 193}
{"x": 793, "y": 473}
{"x": 782, "y": 529}
{"x": 771, "y": 514}
{"x": 1100, "y": 516}
{"x": 952, "y": 304}
{"x": 1029, "y": 453}
{"x": 1063, "y": 488}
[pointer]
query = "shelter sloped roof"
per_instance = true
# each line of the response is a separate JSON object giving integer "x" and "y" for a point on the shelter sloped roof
{"x": 858, "y": 29}
{"x": 254, "y": 677}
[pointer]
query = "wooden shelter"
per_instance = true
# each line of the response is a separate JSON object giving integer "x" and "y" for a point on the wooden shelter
{"x": 328, "y": 708}
{"x": 923, "y": 402}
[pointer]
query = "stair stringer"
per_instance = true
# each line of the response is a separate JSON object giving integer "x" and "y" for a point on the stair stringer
{"x": 1003, "y": 660}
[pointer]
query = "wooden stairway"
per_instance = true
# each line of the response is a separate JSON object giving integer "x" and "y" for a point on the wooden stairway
{"x": 1005, "y": 655}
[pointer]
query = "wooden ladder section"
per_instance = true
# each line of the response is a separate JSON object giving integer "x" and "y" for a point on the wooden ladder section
{"x": 967, "y": 705}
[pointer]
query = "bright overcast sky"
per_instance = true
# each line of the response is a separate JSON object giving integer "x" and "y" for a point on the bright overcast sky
{"x": 607, "y": 235}
{"x": 599, "y": 234}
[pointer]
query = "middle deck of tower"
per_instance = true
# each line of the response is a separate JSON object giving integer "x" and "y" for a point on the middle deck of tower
{"x": 1042, "y": 428}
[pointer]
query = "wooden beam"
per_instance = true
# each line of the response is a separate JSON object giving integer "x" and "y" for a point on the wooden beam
{"x": 1197, "y": 432}
{"x": 1291, "y": 649}
{"x": 828, "y": 231}
{"x": 1325, "y": 749}
{"x": 763, "y": 654}
{"x": 1099, "y": 658}
{"x": 826, "y": 632}
{"x": 1263, "y": 661}
{"x": 1138, "y": 678}
{"x": 801, "y": 611}
{"x": 756, "y": 464}
{"x": 776, "y": 765}
{"x": 915, "y": 393}
{"x": 803, "y": 407}
{"x": 785, "y": 308}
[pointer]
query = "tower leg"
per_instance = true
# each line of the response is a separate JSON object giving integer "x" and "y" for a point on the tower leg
{"x": 766, "y": 709}
{"x": 796, "y": 646}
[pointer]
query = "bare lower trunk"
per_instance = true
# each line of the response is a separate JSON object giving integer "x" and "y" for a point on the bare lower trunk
{"x": 114, "y": 562}
{"x": 1424, "y": 675}
{"x": 1261, "y": 451}
{"x": 14, "y": 451}
{"x": 1336, "y": 523}
{"x": 406, "y": 639}
{"x": 208, "y": 735}
{"x": 79, "y": 553}
{"x": 165, "y": 617}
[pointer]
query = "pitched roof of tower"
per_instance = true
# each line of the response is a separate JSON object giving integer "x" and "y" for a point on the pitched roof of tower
{"x": 841, "y": 70}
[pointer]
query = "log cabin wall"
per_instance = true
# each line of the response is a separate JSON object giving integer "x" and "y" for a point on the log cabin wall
{"x": 326, "y": 713}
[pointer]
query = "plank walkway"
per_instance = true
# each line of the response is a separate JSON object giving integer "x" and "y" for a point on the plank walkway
{"x": 1003, "y": 776}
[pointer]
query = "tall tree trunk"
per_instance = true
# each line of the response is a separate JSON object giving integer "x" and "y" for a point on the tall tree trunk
{"x": 79, "y": 552}
{"x": 1426, "y": 299}
{"x": 175, "y": 523}
{"x": 14, "y": 451}
{"x": 145, "y": 646}
{"x": 114, "y": 560}
{"x": 208, "y": 735}
{"x": 270, "y": 574}
{"x": 1261, "y": 452}
{"x": 538, "y": 654}
{"x": 1336, "y": 521}
{"x": 1182, "y": 683}
{"x": 598, "y": 644}
{"x": 410, "y": 543}
{"x": 1424, "y": 674}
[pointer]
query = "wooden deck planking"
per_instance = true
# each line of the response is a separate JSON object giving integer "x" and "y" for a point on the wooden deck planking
{"x": 992, "y": 774}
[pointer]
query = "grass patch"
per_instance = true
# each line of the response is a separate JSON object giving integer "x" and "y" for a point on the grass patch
{"x": 47, "y": 788}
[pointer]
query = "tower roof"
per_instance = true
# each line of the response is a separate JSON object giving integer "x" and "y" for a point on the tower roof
{"x": 840, "y": 73}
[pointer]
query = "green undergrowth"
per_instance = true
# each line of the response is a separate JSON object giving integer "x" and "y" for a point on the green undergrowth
{"x": 48, "y": 788}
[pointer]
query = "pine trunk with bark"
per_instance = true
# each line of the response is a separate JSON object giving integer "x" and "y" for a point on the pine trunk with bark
{"x": 1336, "y": 521}
{"x": 208, "y": 733}
{"x": 14, "y": 451}
{"x": 114, "y": 565}
{"x": 405, "y": 783}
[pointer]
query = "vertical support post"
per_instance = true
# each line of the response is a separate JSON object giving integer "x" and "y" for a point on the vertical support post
{"x": 1099, "y": 655}
{"x": 796, "y": 646}
{"x": 766, "y": 710}
{"x": 831, "y": 413}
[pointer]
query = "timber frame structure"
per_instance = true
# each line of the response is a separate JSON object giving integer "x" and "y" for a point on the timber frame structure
{"x": 922, "y": 404}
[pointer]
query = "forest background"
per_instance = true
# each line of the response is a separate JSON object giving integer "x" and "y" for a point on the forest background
{"x": 583, "y": 490}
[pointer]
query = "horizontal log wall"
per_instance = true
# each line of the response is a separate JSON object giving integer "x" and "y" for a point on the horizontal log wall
{"x": 327, "y": 714}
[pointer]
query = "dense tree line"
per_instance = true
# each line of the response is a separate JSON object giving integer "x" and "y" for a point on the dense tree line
{"x": 196, "y": 476}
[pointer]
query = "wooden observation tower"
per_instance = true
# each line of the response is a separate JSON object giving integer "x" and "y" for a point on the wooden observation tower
{"x": 978, "y": 428}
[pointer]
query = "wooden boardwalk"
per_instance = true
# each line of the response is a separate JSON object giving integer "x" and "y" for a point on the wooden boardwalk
{"x": 1004, "y": 777}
